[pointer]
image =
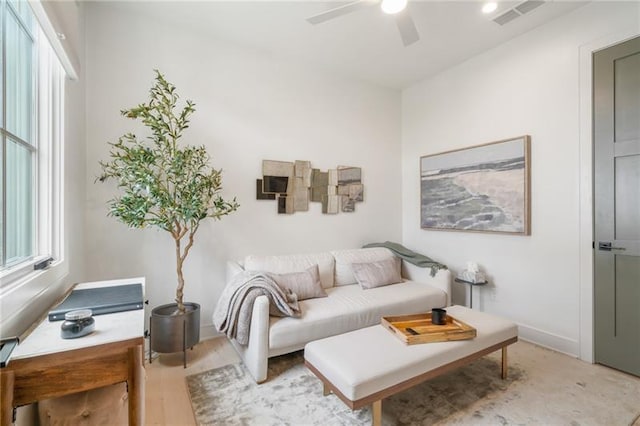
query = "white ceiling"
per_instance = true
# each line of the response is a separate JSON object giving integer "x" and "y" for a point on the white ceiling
{"x": 364, "y": 44}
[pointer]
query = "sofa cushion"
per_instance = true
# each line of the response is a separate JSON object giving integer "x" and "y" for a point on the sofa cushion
{"x": 377, "y": 274}
{"x": 293, "y": 263}
{"x": 344, "y": 259}
{"x": 306, "y": 285}
{"x": 349, "y": 308}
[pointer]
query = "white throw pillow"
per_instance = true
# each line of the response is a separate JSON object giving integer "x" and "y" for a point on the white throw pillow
{"x": 284, "y": 264}
{"x": 345, "y": 258}
{"x": 377, "y": 274}
{"x": 306, "y": 285}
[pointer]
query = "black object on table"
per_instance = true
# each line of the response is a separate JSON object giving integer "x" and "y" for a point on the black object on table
{"x": 100, "y": 300}
{"x": 6, "y": 347}
{"x": 471, "y": 284}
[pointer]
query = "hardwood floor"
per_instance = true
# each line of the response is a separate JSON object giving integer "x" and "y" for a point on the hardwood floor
{"x": 167, "y": 399}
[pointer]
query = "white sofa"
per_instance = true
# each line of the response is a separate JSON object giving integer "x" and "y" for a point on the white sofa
{"x": 347, "y": 307}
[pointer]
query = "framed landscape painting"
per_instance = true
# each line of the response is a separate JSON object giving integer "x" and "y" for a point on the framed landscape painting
{"x": 483, "y": 188}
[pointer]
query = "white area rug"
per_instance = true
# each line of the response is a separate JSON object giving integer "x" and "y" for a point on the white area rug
{"x": 543, "y": 387}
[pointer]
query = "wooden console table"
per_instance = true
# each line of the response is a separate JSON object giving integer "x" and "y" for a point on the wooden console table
{"x": 46, "y": 366}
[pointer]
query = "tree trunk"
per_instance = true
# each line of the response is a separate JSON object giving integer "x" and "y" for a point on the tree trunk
{"x": 180, "y": 288}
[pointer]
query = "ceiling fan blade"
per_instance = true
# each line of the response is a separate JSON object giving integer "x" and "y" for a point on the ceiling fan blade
{"x": 407, "y": 28}
{"x": 339, "y": 11}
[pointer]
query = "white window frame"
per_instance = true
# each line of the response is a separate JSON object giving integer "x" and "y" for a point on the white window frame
{"x": 11, "y": 14}
{"x": 20, "y": 284}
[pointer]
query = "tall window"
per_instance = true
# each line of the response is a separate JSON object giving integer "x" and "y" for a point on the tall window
{"x": 30, "y": 126}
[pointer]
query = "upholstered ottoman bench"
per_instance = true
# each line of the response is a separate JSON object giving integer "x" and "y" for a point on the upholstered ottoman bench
{"x": 365, "y": 366}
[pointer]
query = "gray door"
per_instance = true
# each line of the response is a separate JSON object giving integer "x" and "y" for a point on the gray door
{"x": 616, "y": 106}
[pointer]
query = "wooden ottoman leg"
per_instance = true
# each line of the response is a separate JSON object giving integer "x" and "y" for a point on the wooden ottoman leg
{"x": 376, "y": 413}
{"x": 504, "y": 363}
{"x": 325, "y": 389}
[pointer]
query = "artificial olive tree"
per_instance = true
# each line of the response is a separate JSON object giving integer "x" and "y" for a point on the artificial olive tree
{"x": 161, "y": 183}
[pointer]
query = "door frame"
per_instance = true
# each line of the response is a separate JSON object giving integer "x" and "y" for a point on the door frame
{"x": 585, "y": 190}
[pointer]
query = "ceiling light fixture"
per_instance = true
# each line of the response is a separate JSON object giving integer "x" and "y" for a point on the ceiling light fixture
{"x": 489, "y": 7}
{"x": 393, "y": 6}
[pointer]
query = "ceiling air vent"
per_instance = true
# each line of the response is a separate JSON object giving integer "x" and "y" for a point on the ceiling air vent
{"x": 519, "y": 10}
{"x": 508, "y": 16}
{"x": 528, "y": 6}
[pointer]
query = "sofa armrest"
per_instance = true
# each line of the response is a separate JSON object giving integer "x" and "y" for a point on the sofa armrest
{"x": 442, "y": 279}
{"x": 256, "y": 354}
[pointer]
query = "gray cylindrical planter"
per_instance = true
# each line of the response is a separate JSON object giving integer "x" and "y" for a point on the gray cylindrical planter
{"x": 174, "y": 332}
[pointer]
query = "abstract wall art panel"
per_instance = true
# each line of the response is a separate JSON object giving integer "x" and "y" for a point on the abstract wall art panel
{"x": 319, "y": 184}
{"x": 483, "y": 188}
{"x": 348, "y": 175}
{"x": 296, "y": 184}
{"x": 282, "y": 204}
{"x": 277, "y": 168}
{"x": 356, "y": 192}
{"x": 260, "y": 195}
{"x": 275, "y": 184}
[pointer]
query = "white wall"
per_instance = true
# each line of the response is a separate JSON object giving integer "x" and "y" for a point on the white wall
{"x": 250, "y": 107}
{"x": 75, "y": 177}
{"x": 526, "y": 86}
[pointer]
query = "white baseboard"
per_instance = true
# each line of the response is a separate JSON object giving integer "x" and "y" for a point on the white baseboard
{"x": 208, "y": 331}
{"x": 549, "y": 340}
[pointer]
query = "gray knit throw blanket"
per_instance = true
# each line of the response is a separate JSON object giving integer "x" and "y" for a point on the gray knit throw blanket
{"x": 232, "y": 315}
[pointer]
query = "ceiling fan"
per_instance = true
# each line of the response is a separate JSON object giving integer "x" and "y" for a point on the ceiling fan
{"x": 406, "y": 26}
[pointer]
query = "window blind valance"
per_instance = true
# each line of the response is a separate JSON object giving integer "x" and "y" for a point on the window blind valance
{"x": 60, "y": 22}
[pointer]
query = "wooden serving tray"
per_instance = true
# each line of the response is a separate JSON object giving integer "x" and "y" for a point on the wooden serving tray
{"x": 427, "y": 332}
